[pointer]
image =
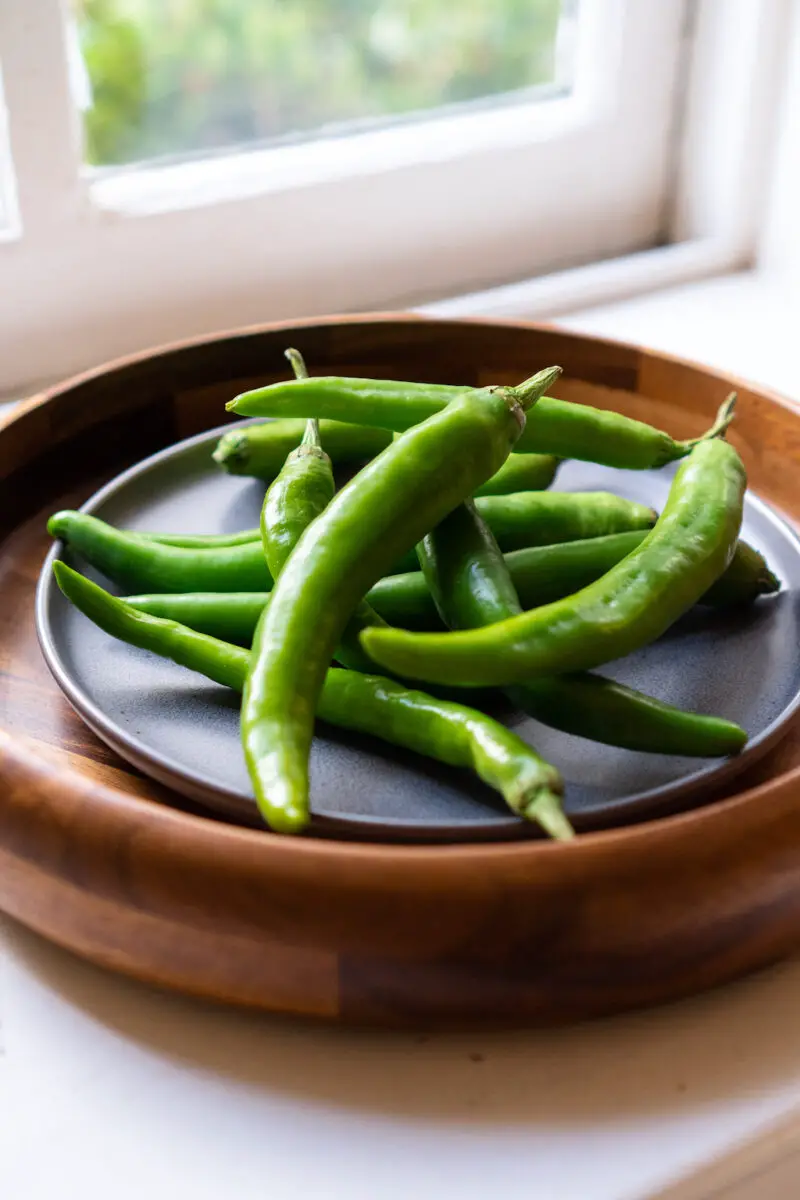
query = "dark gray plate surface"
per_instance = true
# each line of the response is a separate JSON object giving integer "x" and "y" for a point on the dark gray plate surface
{"x": 184, "y": 731}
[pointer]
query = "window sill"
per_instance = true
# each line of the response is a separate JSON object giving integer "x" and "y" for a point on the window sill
{"x": 745, "y": 323}
{"x": 742, "y": 322}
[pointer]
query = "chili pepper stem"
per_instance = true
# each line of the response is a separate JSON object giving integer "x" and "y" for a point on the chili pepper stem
{"x": 298, "y": 363}
{"x": 721, "y": 423}
{"x": 310, "y": 439}
{"x": 545, "y": 809}
{"x": 530, "y": 390}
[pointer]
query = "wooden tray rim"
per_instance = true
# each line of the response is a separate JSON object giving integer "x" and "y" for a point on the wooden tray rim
{"x": 116, "y": 804}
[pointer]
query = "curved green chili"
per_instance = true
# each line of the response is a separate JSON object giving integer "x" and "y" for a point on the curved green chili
{"x": 442, "y": 730}
{"x": 233, "y": 617}
{"x": 518, "y": 519}
{"x": 202, "y": 541}
{"x": 546, "y": 518}
{"x": 229, "y": 616}
{"x": 634, "y": 603}
{"x": 261, "y": 450}
{"x": 303, "y": 488}
{"x": 556, "y": 427}
{"x": 522, "y": 473}
{"x": 593, "y": 707}
{"x": 385, "y": 510}
{"x": 540, "y": 574}
{"x": 472, "y": 587}
{"x": 136, "y": 563}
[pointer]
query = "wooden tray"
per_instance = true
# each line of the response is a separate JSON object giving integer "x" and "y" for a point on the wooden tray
{"x": 103, "y": 861}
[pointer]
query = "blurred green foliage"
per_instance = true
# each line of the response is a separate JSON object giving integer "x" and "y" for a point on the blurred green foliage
{"x": 171, "y": 76}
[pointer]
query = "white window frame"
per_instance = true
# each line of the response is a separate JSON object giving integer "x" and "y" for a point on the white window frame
{"x": 101, "y": 264}
{"x": 9, "y": 208}
{"x": 779, "y": 240}
{"x": 739, "y": 81}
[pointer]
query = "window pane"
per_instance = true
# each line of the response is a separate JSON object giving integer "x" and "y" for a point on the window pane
{"x": 166, "y": 77}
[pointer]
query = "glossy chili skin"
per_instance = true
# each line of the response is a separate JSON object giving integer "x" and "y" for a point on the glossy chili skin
{"x": 633, "y": 604}
{"x": 540, "y": 574}
{"x": 233, "y": 617}
{"x": 522, "y": 473}
{"x": 229, "y": 616}
{"x": 533, "y": 518}
{"x": 202, "y": 541}
{"x": 192, "y": 562}
{"x": 556, "y": 427}
{"x": 137, "y": 564}
{"x": 261, "y": 450}
{"x": 546, "y": 518}
{"x": 381, "y": 513}
{"x": 302, "y": 490}
{"x": 449, "y": 732}
{"x": 472, "y": 587}
{"x": 591, "y": 706}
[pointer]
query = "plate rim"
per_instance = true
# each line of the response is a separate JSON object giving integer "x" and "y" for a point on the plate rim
{"x": 655, "y": 803}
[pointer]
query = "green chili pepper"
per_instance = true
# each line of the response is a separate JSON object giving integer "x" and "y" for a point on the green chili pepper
{"x": 472, "y": 587}
{"x": 404, "y": 600}
{"x": 303, "y": 488}
{"x": 135, "y": 563}
{"x": 233, "y": 616}
{"x": 546, "y": 518}
{"x": 593, "y": 707}
{"x": 229, "y": 616}
{"x": 554, "y": 427}
{"x": 203, "y": 541}
{"x": 382, "y": 708}
{"x": 540, "y": 574}
{"x": 385, "y": 510}
{"x": 261, "y": 450}
{"x": 522, "y": 473}
{"x": 746, "y": 577}
{"x": 634, "y": 603}
{"x": 521, "y": 519}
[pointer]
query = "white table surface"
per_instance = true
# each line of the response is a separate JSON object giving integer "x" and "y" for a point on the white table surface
{"x": 111, "y": 1090}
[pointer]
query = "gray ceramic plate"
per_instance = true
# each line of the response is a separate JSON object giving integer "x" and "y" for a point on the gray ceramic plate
{"x": 184, "y": 731}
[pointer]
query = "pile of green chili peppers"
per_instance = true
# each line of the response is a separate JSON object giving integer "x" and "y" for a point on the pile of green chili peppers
{"x": 443, "y": 559}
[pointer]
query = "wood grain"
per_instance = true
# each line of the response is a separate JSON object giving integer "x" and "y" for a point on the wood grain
{"x": 102, "y": 860}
